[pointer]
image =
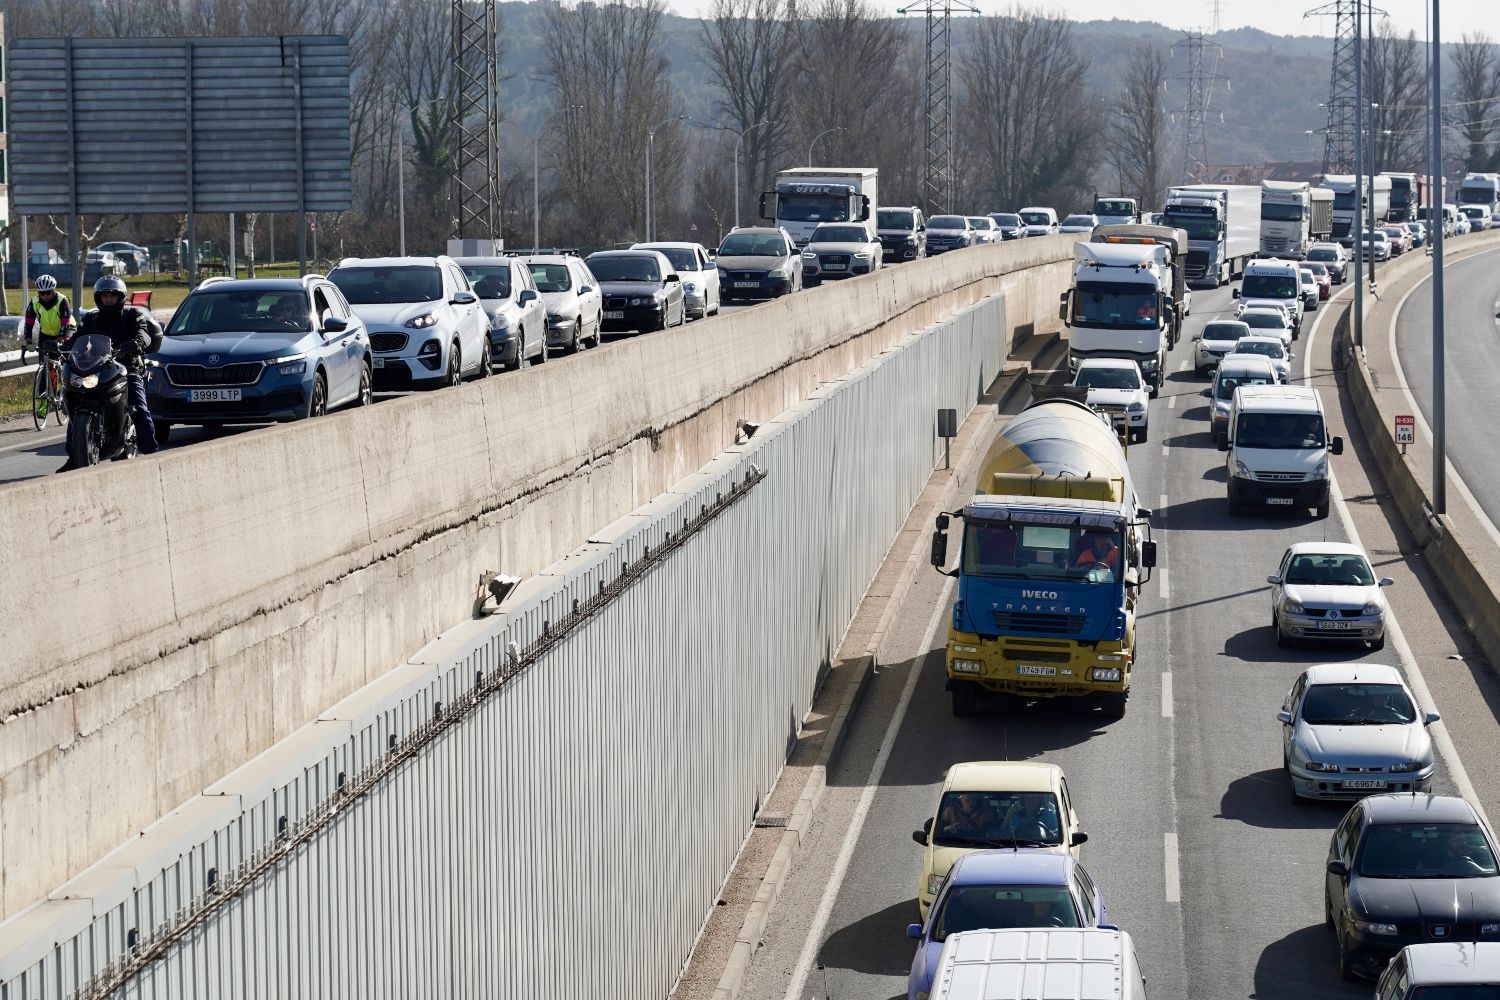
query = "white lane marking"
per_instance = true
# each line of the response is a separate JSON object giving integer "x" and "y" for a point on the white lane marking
{"x": 1409, "y": 665}
{"x": 40, "y": 441}
{"x": 1164, "y": 449}
{"x": 1411, "y": 402}
{"x": 1166, "y": 694}
{"x": 1182, "y": 367}
{"x": 1174, "y": 878}
{"x": 1172, "y": 402}
{"x": 862, "y": 809}
{"x": 1161, "y": 576}
{"x": 1163, "y": 504}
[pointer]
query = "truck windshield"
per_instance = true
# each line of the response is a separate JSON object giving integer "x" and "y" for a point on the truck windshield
{"x": 1343, "y": 199}
{"x": 1199, "y": 227}
{"x": 1041, "y": 552}
{"x": 1114, "y": 304}
{"x": 1113, "y": 208}
{"x": 812, "y": 207}
{"x": 1279, "y": 212}
{"x": 1268, "y": 286}
{"x": 1279, "y": 430}
{"x": 1483, "y": 195}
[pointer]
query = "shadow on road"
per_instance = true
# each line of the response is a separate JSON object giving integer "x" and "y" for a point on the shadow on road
{"x": 876, "y": 945}
{"x": 1303, "y": 966}
{"x": 1264, "y": 799}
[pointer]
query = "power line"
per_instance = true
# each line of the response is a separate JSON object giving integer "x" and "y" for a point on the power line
{"x": 1338, "y": 136}
{"x": 1200, "y": 83}
{"x": 937, "y": 100}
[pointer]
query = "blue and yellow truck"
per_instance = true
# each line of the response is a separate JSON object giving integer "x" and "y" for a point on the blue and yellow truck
{"x": 1053, "y": 552}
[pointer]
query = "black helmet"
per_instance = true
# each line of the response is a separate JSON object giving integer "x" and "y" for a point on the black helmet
{"x": 110, "y": 283}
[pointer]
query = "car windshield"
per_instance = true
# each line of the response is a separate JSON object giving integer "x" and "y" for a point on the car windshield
{"x": 742, "y": 245}
{"x": 1113, "y": 304}
{"x": 1357, "y": 705}
{"x": 1265, "y": 348}
{"x": 1475, "y": 213}
{"x": 979, "y": 221}
{"x": 369, "y": 286}
{"x": 947, "y": 222}
{"x": 1225, "y": 385}
{"x": 1078, "y": 220}
{"x": 1036, "y": 218}
{"x": 840, "y": 234}
{"x": 1114, "y": 208}
{"x": 682, "y": 258}
{"x": 997, "y": 819}
{"x": 241, "y": 311}
{"x": 1323, "y": 253}
{"x": 1317, "y": 269}
{"x": 1108, "y": 378}
{"x": 1269, "y": 286}
{"x": 1041, "y": 552}
{"x": 625, "y": 268}
{"x": 812, "y": 207}
{"x": 1008, "y": 221}
{"x": 1263, "y": 320}
{"x": 1425, "y": 850}
{"x": 1225, "y": 331}
{"x": 490, "y": 281}
{"x": 976, "y": 907}
{"x": 551, "y": 277}
{"x": 1347, "y": 570}
{"x": 895, "y": 218}
{"x": 1280, "y": 430}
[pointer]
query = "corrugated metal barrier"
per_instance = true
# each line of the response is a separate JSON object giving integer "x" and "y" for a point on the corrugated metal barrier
{"x": 552, "y": 796}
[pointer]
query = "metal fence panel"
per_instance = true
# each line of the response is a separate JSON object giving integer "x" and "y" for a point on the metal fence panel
{"x": 574, "y": 828}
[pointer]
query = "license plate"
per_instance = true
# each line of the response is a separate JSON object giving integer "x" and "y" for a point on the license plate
{"x": 1336, "y": 626}
{"x": 747, "y": 284}
{"x": 213, "y": 395}
{"x": 1279, "y": 501}
{"x": 378, "y": 361}
{"x": 615, "y": 314}
{"x": 1030, "y": 671}
{"x": 1365, "y": 783}
{"x": 834, "y": 267}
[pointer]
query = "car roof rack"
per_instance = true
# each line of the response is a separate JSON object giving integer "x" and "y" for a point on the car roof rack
{"x": 543, "y": 252}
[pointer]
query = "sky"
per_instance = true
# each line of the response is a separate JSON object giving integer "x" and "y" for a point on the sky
{"x": 1279, "y": 17}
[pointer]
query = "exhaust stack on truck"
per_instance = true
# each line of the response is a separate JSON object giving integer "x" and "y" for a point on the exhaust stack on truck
{"x": 1051, "y": 557}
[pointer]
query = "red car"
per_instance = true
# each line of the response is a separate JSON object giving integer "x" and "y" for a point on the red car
{"x": 1323, "y": 278}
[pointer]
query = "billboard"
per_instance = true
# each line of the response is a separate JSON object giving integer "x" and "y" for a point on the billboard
{"x": 170, "y": 125}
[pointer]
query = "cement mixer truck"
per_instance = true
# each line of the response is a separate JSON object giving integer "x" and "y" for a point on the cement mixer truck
{"x": 1053, "y": 551}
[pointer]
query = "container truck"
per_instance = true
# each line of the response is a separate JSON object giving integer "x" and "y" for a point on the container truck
{"x": 1176, "y": 242}
{"x": 1120, "y": 306}
{"x": 1223, "y": 225}
{"x": 1406, "y": 197}
{"x": 1116, "y": 211}
{"x": 1376, "y": 203}
{"x": 1053, "y": 552}
{"x": 806, "y": 196}
{"x": 1293, "y": 216}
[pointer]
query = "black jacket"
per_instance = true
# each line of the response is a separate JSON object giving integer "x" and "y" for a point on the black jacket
{"x": 129, "y": 325}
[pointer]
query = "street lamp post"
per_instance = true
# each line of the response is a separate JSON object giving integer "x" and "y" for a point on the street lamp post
{"x": 738, "y": 139}
{"x": 1360, "y": 253}
{"x": 650, "y": 143}
{"x": 536, "y": 176}
{"x": 826, "y": 131}
{"x": 1439, "y": 375}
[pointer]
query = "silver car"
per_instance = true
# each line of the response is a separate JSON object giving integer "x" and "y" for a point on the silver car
{"x": 570, "y": 292}
{"x": 1327, "y": 591}
{"x": 1083, "y": 223}
{"x": 1353, "y": 729}
{"x": 517, "y": 317}
{"x": 1270, "y": 348}
{"x": 1217, "y": 339}
{"x": 700, "y": 276}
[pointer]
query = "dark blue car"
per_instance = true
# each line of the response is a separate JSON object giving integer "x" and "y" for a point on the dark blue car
{"x": 259, "y": 351}
{"x": 1000, "y": 890}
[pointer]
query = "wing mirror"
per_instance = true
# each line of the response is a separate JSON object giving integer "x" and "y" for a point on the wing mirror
{"x": 1285, "y": 718}
{"x": 1430, "y": 718}
{"x": 463, "y": 299}
{"x": 914, "y": 931}
{"x": 1337, "y": 447}
{"x": 1385, "y": 581}
{"x": 1234, "y": 293}
{"x": 335, "y": 325}
{"x": 527, "y": 295}
{"x": 585, "y": 289}
{"x": 1079, "y": 837}
{"x": 672, "y": 278}
{"x": 1274, "y": 581}
{"x": 1148, "y": 554}
{"x": 1338, "y": 868}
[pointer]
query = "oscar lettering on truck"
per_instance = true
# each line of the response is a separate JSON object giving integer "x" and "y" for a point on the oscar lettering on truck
{"x": 1051, "y": 561}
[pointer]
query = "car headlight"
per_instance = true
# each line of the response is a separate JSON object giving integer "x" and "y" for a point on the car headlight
{"x": 1314, "y": 765}
{"x": 934, "y": 883}
{"x": 965, "y": 649}
{"x": 295, "y": 368}
{"x": 690, "y": 288}
{"x": 1407, "y": 766}
{"x": 1137, "y": 407}
{"x": 1367, "y": 927}
{"x": 638, "y": 301}
{"x": 428, "y": 349}
{"x": 1371, "y": 609}
{"x": 784, "y": 271}
{"x": 1291, "y": 607}
{"x": 967, "y": 666}
{"x": 1105, "y": 673}
{"x": 861, "y": 256}
{"x": 1321, "y": 472}
{"x": 809, "y": 255}
{"x": 422, "y": 322}
{"x": 1241, "y": 469}
{"x": 86, "y": 382}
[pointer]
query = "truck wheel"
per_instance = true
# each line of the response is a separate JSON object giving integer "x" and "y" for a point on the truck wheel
{"x": 965, "y": 701}
{"x": 1114, "y": 705}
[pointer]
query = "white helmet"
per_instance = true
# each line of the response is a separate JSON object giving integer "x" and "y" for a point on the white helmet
{"x": 46, "y": 283}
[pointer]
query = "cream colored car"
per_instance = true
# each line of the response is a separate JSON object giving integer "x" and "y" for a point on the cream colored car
{"x": 990, "y": 804}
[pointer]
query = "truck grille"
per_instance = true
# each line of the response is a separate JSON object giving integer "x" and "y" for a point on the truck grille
{"x": 1037, "y": 655}
{"x": 1197, "y": 263}
{"x": 1039, "y": 621}
{"x": 244, "y": 373}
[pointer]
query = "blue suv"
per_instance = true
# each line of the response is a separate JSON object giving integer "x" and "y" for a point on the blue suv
{"x": 258, "y": 351}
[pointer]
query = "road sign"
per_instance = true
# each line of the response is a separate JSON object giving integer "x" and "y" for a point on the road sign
{"x": 1406, "y": 429}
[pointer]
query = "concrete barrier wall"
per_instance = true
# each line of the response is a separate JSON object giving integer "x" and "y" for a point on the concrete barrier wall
{"x": 219, "y": 596}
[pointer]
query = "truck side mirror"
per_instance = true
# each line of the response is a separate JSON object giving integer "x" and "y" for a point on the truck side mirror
{"x": 1224, "y": 443}
{"x": 1062, "y": 310}
{"x": 939, "y": 549}
{"x": 864, "y": 207}
{"x": 1337, "y": 447}
{"x": 1234, "y": 293}
{"x": 1148, "y": 554}
{"x": 763, "y": 213}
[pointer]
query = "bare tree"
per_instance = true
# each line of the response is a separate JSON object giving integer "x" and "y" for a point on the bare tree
{"x": 847, "y": 40}
{"x": 1398, "y": 86}
{"x": 1035, "y": 126}
{"x": 1138, "y": 131}
{"x": 1476, "y": 85}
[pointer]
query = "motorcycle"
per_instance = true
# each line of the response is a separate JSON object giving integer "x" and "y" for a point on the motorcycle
{"x": 95, "y": 382}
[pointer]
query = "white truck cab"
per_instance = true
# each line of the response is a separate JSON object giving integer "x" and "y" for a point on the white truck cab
{"x": 1273, "y": 282}
{"x": 1091, "y": 964}
{"x": 1278, "y": 446}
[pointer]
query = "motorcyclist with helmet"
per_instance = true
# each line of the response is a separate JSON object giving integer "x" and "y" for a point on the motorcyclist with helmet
{"x": 132, "y": 331}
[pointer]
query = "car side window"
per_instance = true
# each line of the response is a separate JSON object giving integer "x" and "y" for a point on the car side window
{"x": 460, "y": 283}
{"x": 1343, "y": 832}
{"x": 1086, "y": 900}
{"x": 1352, "y": 844}
{"x": 1294, "y": 700}
{"x": 1067, "y": 802}
{"x": 321, "y": 308}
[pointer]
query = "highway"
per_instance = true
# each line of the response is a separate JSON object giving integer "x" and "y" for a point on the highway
{"x": 1194, "y": 841}
{"x": 1471, "y": 302}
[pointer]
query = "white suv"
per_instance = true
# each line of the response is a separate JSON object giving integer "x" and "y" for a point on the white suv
{"x": 1116, "y": 388}
{"x": 427, "y": 327}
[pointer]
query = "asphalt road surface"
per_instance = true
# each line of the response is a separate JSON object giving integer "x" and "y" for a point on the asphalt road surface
{"x": 1194, "y": 840}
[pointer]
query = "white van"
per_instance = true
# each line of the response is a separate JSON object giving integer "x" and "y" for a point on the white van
{"x": 1278, "y": 448}
{"x": 1093, "y": 964}
{"x": 1040, "y": 220}
{"x": 1273, "y": 282}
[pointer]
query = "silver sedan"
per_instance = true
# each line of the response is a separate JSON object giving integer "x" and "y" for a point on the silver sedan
{"x": 1327, "y": 591}
{"x": 1350, "y": 730}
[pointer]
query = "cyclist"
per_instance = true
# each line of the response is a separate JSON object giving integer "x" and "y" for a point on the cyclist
{"x": 52, "y": 314}
{"x": 132, "y": 331}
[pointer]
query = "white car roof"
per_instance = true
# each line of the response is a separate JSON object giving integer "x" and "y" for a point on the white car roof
{"x": 1265, "y": 307}
{"x": 1454, "y": 962}
{"x": 394, "y": 261}
{"x": 550, "y": 258}
{"x": 1107, "y": 363}
{"x": 1260, "y": 338}
{"x": 1349, "y": 673}
{"x": 1278, "y": 398}
{"x": 1247, "y": 364}
{"x": 1271, "y": 266}
{"x": 660, "y": 245}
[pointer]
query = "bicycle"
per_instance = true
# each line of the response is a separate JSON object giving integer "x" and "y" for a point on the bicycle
{"x": 46, "y": 391}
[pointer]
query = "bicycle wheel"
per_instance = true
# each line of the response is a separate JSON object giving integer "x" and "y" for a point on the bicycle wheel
{"x": 59, "y": 409}
{"x": 41, "y": 400}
